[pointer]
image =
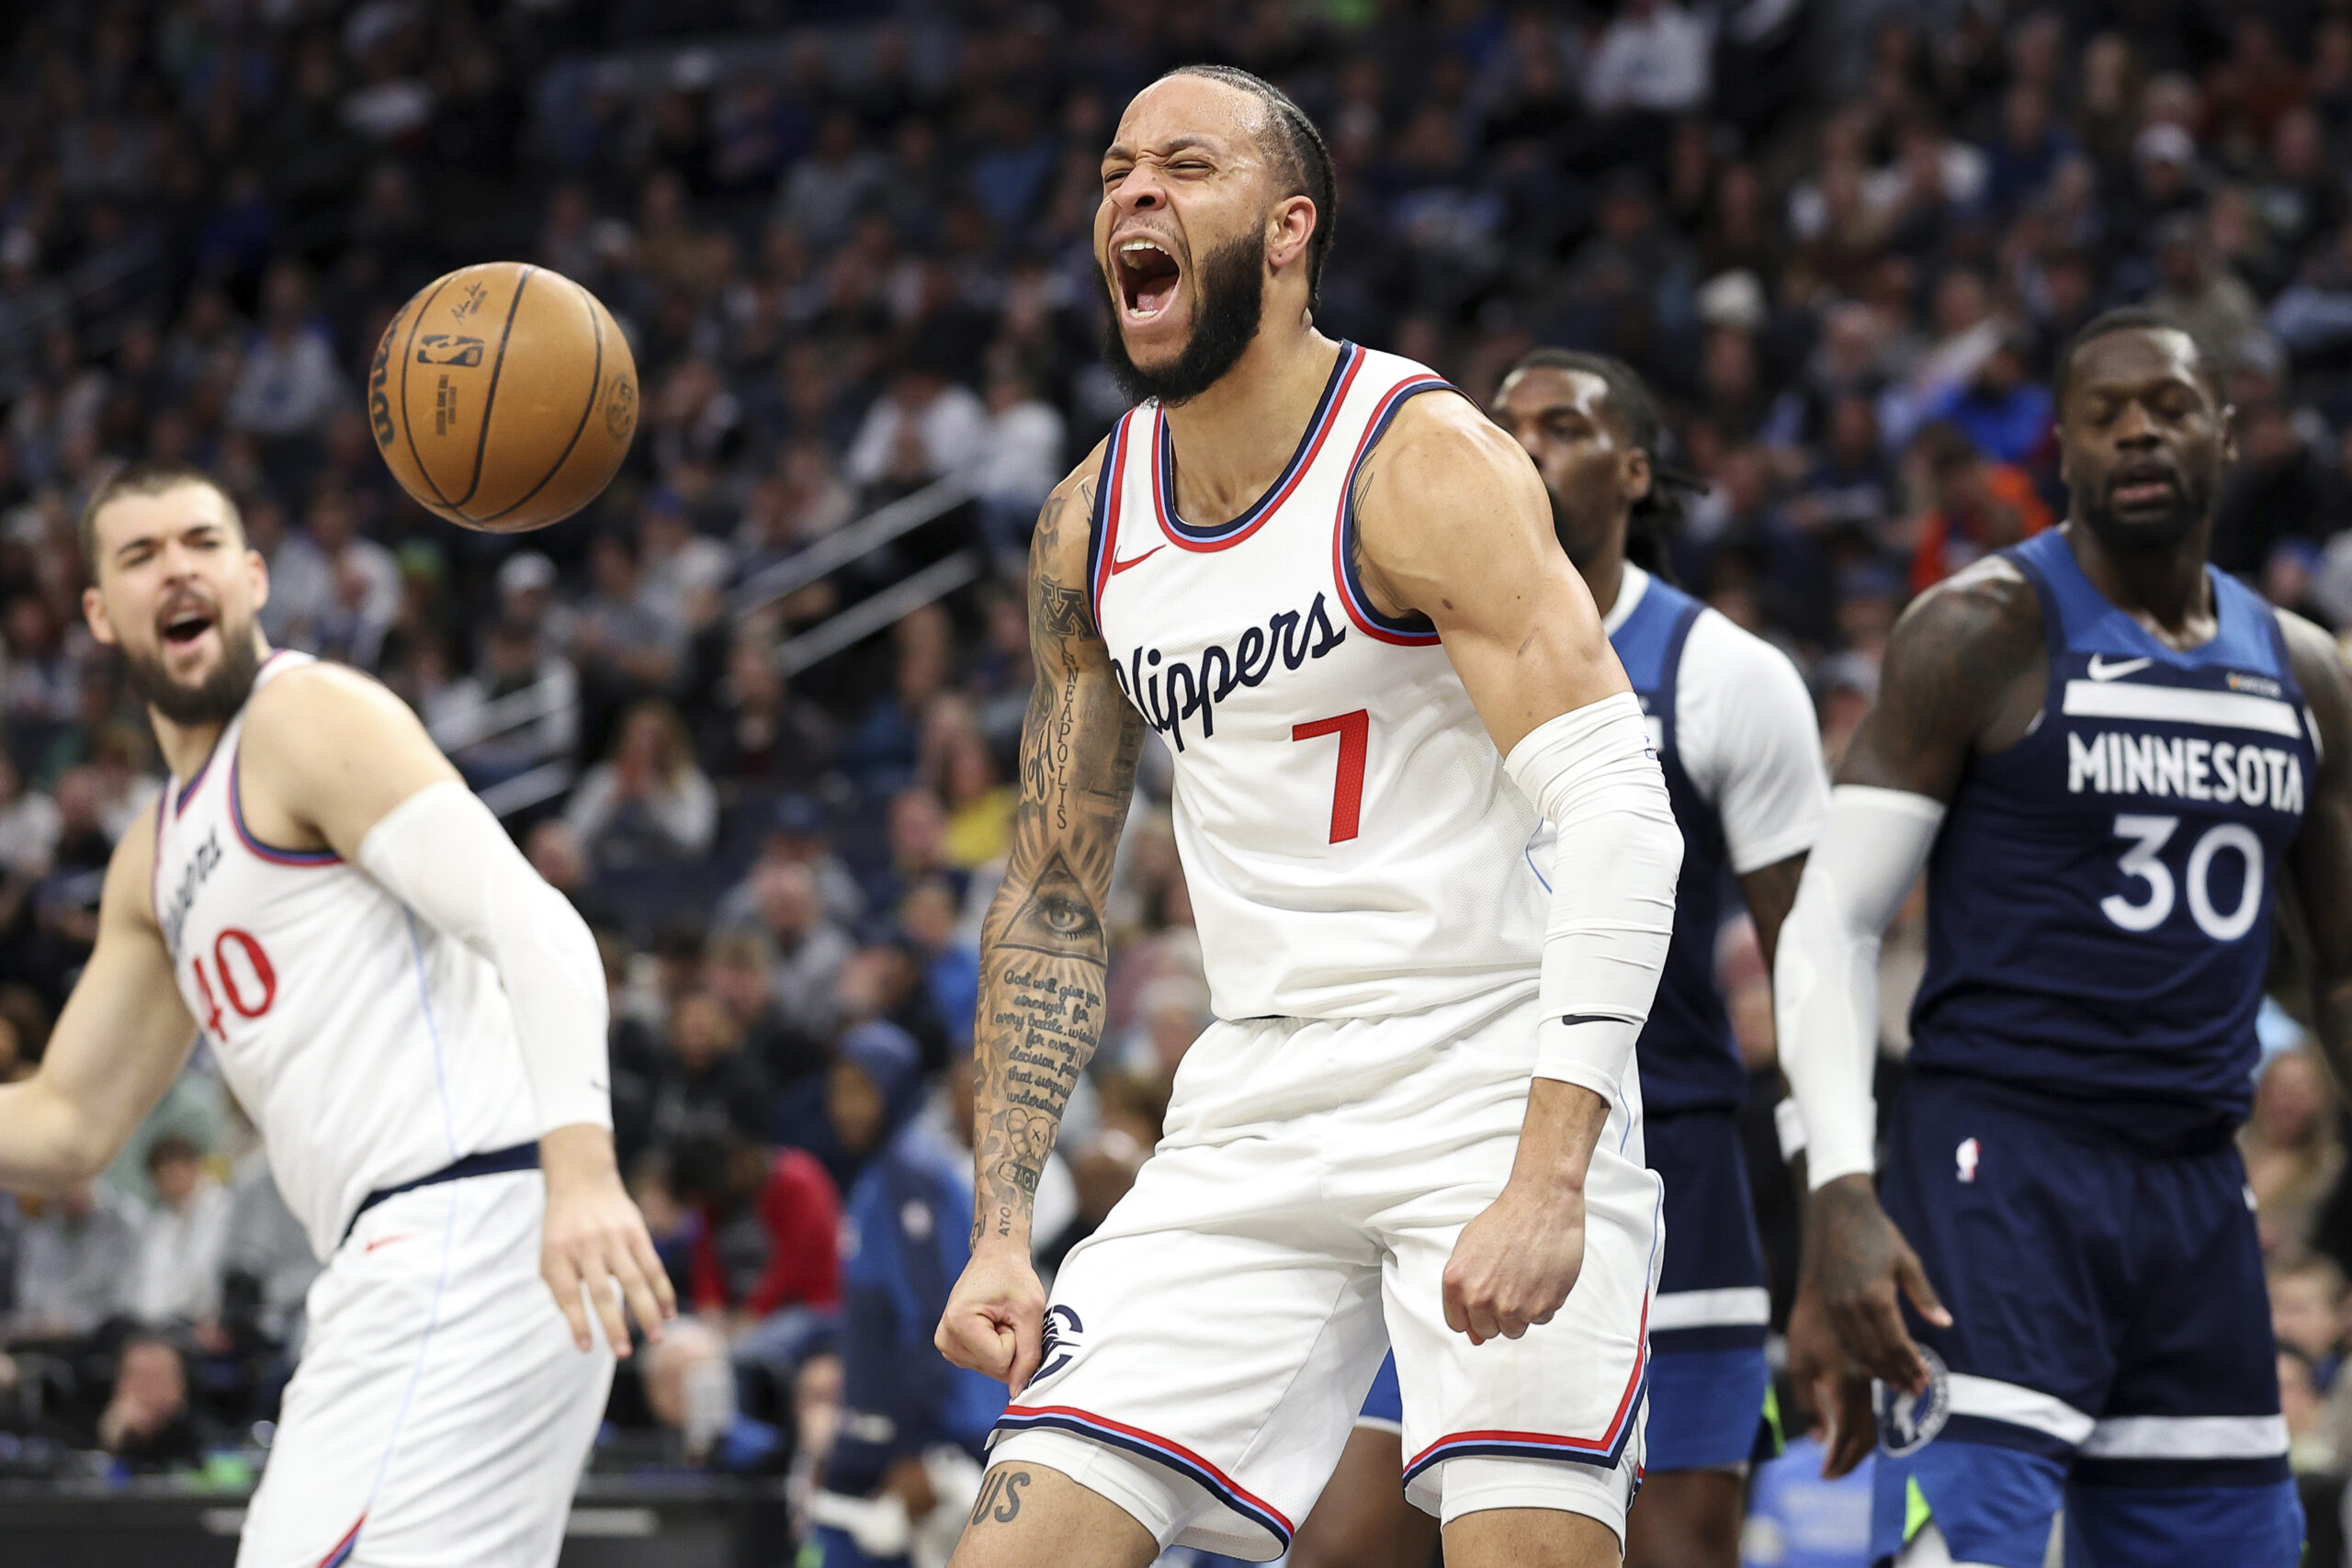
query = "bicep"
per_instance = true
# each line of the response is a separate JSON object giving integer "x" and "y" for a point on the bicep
{"x": 1771, "y": 892}
{"x": 1951, "y": 663}
{"x": 1454, "y": 524}
{"x": 2321, "y": 860}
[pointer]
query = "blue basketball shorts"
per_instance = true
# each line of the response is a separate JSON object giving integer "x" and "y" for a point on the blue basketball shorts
{"x": 2110, "y": 1351}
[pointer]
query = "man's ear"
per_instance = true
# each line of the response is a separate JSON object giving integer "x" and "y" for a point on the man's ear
{"x": 1290, "y": 229}
{"x": 94, "y": 613}
{"x": 1635, "y": 477}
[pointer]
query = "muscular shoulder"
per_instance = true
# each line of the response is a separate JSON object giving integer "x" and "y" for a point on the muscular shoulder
{"x": 302, "y": 700}
{"x": 2319, "y": 665}
{"x": 1964, "y": 673}
{"x": 1442, "y": 478}
{"x": 328, "y": 750}
{"x": 1058, "y": 550}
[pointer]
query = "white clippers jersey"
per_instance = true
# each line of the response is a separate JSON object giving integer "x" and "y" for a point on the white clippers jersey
{"x": 1351, "y": 842}
{"x": 370, "y": 1048}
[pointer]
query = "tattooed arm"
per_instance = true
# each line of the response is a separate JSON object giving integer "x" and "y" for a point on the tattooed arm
{"x": 1043, "y": 950}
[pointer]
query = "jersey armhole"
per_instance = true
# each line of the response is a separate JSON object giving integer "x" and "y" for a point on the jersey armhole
{"x": 2054, "y": 643}
{"x": 1414, "y": 630}
{"x": 1103, "y": 519}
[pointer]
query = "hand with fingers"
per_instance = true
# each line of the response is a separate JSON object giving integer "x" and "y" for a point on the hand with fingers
{"x": 1857, "y": 1269}
{"x": 1514, "y": 1265}
{"x": 1833, "y": 1391}
{"x": 594, "y": 1236}
{"x": 995, "y": 1318}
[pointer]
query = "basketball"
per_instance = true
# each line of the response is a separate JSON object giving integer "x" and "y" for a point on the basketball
{"x": 503, "y": 397}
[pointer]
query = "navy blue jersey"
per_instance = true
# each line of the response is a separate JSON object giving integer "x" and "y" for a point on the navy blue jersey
{"x": 1688, "y": 1057}
{"x": 2099, "y": 896}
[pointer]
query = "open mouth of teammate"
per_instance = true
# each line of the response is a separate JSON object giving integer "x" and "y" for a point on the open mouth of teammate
{"x": 174, "y": 680}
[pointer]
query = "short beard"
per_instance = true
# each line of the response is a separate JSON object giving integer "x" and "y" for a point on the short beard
{"x": 2189, "y": 507}
{"x": 1229, "y": 294}
{"x": 214, "y": 700}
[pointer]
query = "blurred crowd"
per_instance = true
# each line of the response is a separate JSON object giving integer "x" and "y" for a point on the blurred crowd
{"x": 850, "y": 245}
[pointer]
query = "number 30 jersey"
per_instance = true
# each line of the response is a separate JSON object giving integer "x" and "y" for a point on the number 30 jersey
{"x": 1349, "y": 840}
{"x": 367, "y": 1047}
{"x": 2099, "y": 896}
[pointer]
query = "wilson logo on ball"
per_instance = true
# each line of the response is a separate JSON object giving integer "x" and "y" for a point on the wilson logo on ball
{"x": 442, "y": 348}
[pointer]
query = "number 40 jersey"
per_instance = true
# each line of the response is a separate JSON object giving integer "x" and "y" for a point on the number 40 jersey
{"x": 368, "y": 1047}
{"x": 1349, "y": 840}
{"x": 2099, "y": 897}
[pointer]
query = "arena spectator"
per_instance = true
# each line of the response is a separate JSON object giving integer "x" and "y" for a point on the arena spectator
{"x": 810, "y": 946}
{"x": 2293, "y": 1149}
{"x": 648, "y": 804}
{"x": 76, "y": 1262}
{"x": 149, "y": 1424}
{"x": 706, "y": 1079}
{"x": 183, "y": 1239}
{"x": 690, "y": 1388}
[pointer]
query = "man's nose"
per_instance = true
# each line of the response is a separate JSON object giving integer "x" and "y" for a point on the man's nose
{"x": 1139, "y": 190}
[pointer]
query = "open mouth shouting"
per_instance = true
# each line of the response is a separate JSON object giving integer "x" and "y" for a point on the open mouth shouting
{"x": 183, "y": 623}
{"x": 1148, "y": 275}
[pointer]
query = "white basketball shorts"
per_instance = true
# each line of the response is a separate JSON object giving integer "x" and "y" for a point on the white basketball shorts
{"x": 441, "y": 1414}
{"x": 1208, "y": 1348}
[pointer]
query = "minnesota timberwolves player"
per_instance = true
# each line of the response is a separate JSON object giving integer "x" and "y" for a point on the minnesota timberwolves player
{"x": 2108, "y": 756}
{"x": 1736, "y": 731}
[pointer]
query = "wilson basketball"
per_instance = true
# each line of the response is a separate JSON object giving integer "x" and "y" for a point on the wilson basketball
{"x": 503, "y": 397}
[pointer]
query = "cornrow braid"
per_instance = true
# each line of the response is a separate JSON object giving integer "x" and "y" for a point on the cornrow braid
{"x": 1300, "y": 156}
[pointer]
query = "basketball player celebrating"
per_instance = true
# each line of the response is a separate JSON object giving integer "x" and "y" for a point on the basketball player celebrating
{"x": 414, "y": 1020}
{"x": 2107, "y": 755}
{"x": 1741, "y": 750}
{"x": 1340, "y": 601}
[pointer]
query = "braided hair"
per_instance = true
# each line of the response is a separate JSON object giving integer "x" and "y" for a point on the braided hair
{"x": 1626, "y": 403}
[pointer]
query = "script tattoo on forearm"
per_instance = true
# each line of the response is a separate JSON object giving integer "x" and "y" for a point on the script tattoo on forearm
{"x": 1044, "y": 950}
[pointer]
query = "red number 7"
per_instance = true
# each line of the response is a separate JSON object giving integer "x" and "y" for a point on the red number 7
{"x": 1346, "y": 792}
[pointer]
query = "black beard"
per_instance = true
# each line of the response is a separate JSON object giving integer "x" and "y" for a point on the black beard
{"x": 1229, "y": 286}
{"x": 214, "y": 700}
{"x": 2189, "y": 505}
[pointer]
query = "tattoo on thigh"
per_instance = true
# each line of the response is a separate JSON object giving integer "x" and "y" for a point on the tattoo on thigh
{"x": 1000, "y": 1498}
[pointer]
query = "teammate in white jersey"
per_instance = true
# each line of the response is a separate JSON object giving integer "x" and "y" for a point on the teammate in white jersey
{"x": 1736, "y": 736}
{"x": 415, "y": 1022}
{"x": 1417, "y": 1120}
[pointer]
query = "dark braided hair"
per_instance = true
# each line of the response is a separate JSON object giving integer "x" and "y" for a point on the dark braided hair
{"x": 1626, "y": 402}
{"x": 1301, "y": 160}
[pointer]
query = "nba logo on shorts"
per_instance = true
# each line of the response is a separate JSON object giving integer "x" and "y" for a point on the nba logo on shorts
{"x": 1908, "y": 1423}
{"x": 1965, "y": 1157}
{"x": 1061, "y": 1331}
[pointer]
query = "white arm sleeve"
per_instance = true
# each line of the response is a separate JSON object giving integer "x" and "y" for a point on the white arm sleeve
{"x": 442, "y": 853}
{"x": 1825, "y": 985}
{"x": 1591, "y": 773}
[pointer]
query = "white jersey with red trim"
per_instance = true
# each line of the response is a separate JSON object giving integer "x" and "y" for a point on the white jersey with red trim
{"x": 1349, "y": 840}
{"x": 368, "y": 1048}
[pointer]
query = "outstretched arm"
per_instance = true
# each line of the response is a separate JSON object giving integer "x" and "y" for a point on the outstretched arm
{"x": 1454, "y": 523}
{"x": 119, "y": 1044}
{"x": 1961, "y": 664}
{"x": 1043, "y": 951}
{"x": 330, "y": 756}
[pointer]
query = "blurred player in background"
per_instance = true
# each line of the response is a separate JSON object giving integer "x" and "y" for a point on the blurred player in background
{"x": 415, "y": 1022}
{"x": 2108, "y": 756}
{"x": 1736, "y": 733}
{"x": 1417, "y": 1121}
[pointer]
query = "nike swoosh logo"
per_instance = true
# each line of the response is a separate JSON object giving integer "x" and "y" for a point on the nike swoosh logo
{"x": 1119, "y": 566}
{"x": 2102, "y": 671}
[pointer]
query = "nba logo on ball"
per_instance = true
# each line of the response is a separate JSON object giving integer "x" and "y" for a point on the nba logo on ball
{"x": 1908, "y": 1422}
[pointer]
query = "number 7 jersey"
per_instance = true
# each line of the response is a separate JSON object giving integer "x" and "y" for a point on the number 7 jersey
{"x": 368, "y": 1047}
{"x": 1350, "y": 843}
{"x": 2100, "y": 893}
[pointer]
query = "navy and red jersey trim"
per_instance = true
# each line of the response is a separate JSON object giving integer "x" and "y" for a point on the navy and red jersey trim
{"x": 1406, "y": 631}
{"x": 267, "y": 852}
{"x": 1225, "y": 535}
{"x": 1102, "y": 527}
{"x": 1135, "y": 1439}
